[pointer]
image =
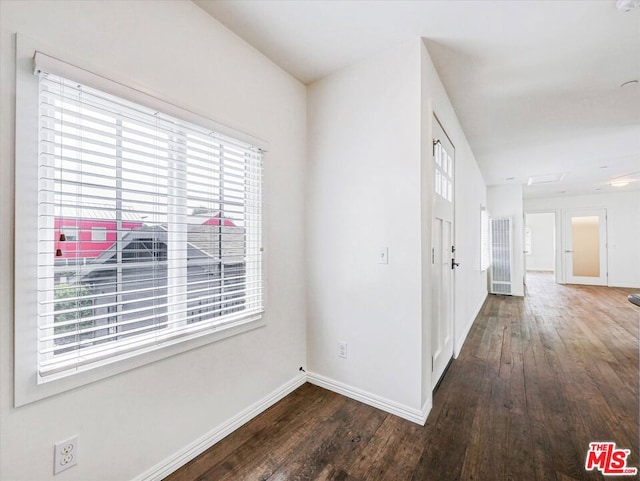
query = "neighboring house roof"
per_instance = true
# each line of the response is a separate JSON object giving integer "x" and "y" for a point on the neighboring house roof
{"x": 207, "y": 237}
{"x": 203, "y": 243}
{"x": 215, "y": 220}
{"x": 96, "y": 211}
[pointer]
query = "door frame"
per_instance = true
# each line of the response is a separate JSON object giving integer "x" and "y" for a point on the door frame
{"x": 558, "y": 263}
{"x": 434, "y": 382}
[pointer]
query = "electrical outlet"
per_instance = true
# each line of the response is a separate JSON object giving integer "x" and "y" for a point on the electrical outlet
{"x": 342, "y": 349}
{"x": 65, "y": 454}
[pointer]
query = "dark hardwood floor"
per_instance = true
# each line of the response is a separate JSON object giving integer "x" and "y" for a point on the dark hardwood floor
{"x": 537, "y": 380}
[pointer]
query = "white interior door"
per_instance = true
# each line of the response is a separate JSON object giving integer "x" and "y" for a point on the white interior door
{"x": 442, "y": 257}
{"x": 585, "y": 246}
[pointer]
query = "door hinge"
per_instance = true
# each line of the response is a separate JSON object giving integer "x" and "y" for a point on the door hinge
{"x": 431, "y": 363}
{"x": 433, "y": 255}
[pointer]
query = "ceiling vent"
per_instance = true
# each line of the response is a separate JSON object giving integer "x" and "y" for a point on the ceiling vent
{"x": 627, "y": 5}
{"x": 545, "y": 179}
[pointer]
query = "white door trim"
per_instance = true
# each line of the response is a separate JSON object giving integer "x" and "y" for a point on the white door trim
{"x": 442, "y": 335}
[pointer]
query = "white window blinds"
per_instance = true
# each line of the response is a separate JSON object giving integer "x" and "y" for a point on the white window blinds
{"x": 178, "y": 209}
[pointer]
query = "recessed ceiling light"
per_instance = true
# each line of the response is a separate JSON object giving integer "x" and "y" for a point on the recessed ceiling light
{"x": 627, "y": 5}
{"x": 604, "y": 166}
{"x": 619, "y": 183}
{"x": 630, "y": 83}
{"x": 510, "y": 178}
{"x": 626, "y": 179}
{"x": 563, "y": 191}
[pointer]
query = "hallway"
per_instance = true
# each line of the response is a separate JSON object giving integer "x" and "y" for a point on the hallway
{"x": 537, "y": 380}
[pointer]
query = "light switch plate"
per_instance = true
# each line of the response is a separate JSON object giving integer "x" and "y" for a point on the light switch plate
{"x": 383, "y": 255}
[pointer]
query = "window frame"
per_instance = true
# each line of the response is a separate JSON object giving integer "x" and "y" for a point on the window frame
{"x": 27, "y": 387}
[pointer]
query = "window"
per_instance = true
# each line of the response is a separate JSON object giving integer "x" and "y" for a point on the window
{"x": 99, "y": 234}
{"x": 443, "y": 172}
{"x": 149, "y": 228}
{"x": 70, "y": 231}
{"x": 485, "y": 255}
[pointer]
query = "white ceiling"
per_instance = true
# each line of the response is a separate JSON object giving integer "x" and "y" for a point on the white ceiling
{"x": 536, "y": 84}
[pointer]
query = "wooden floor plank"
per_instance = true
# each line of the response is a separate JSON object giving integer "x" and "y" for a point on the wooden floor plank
{"x": 337, "y": 441}
{"x": 253, "y": 461}
{"x": 279, "y": 414}
{"x": 537, "y": 380}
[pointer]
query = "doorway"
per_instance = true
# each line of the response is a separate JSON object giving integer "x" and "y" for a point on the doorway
{"x": 540, "y": 242}
{"x": 585, "y": 246}
{"x": 442, "y": 254}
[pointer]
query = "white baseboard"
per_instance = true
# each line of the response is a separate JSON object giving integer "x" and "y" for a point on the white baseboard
{"x": 175, "y": 461}
{"x": 418, "y": 416}
{"x": 460, "y": 342}
{"x": 625, "y": 285}
{"x": 189, "y": 452}
{"x": 426, "y": 409}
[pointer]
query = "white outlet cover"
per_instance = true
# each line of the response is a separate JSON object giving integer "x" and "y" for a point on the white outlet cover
{"x": 65, "y": 454}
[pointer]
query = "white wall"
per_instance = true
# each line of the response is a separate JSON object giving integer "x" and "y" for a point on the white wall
{"x": 130, "y": 422}
{"x": 470, "y": 194}
{"x": 364, "y": 193}
{"x": 623, "y": 231}
{"x": 370, "y": 186}
{"x": 542, "y": 256}
{"x": 368, "y": 151}
{"x": 506, "y": 201}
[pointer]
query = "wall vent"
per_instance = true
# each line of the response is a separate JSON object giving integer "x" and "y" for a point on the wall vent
{"x": 501, "y": 256}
